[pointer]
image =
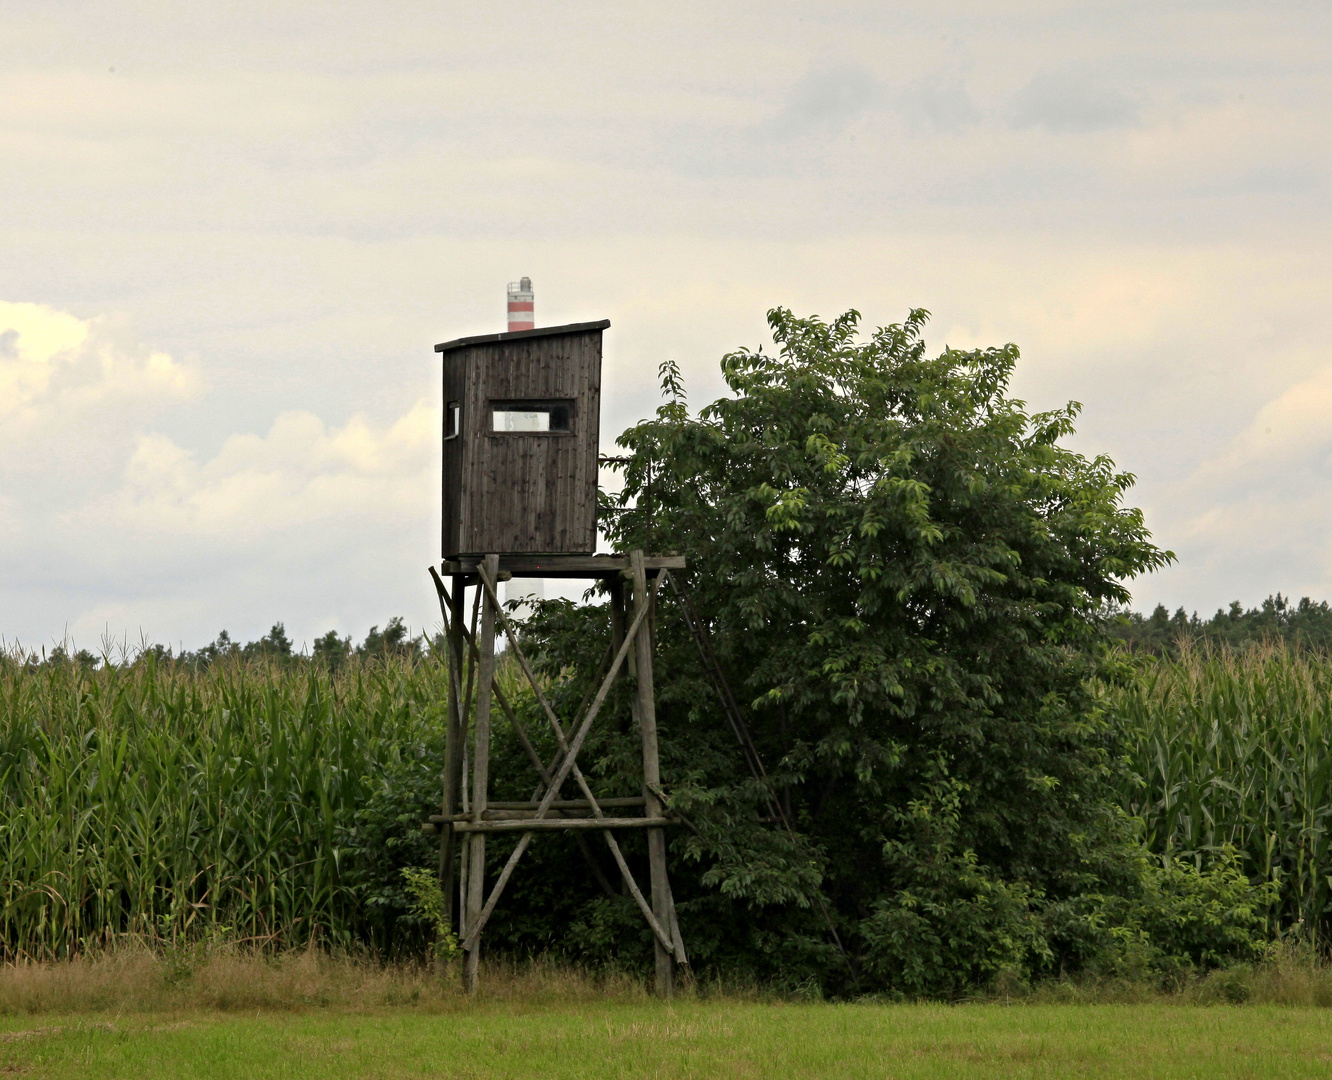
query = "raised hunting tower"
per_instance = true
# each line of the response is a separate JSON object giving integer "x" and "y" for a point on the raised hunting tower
{"x": 521, "y": 414}
{"x": 521, "y": 428}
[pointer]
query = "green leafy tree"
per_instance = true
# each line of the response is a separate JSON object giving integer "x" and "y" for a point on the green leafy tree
{"x": 222, "y": 646}
{"x": 907, "y": 578}
{"x": 393, "y": 640}
{"x": 331, "y": 651}
{"x": 274, "y": 644}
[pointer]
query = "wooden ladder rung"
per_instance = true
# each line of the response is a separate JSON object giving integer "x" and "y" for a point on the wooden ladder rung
{"x": 560, "y": 824}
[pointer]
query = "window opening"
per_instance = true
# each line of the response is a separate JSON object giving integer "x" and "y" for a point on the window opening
{"x": 539, "y": 417}
{"x": 454, "y": 427}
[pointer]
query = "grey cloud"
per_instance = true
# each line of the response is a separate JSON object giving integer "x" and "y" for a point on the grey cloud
{"x": 1073, "y": 102}
{"x": 1271, "y": 178}
{"x": 819, "y": 108}
{"x": 940, "y": 104}
{"x": 826, "y": 102}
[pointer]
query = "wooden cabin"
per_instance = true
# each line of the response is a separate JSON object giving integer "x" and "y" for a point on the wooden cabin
{"x": 521, "y": 428}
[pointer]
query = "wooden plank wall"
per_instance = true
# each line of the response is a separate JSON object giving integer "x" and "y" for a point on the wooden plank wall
{"x": 524, "y": 492}
{"x": 453, "y": 456}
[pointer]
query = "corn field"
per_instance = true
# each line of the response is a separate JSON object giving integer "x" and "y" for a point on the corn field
{"x": 1236, "y": 749}
{"x": 152, "y": 799}
{"x": 162, "y": 801}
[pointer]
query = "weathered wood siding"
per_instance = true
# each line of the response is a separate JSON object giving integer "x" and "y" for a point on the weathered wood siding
{"x": 453, "y": 456}
{"x": 523, "y": 492}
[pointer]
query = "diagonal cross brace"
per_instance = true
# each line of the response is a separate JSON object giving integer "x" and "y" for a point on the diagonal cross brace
{"x": 672, "y": 944}
{"x": 495, "y": 687}
{"x": 567, "y": 765}
{"x": 518, "y": 728}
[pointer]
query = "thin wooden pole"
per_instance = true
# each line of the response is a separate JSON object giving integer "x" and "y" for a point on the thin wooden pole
{"x": 615, "y": 586}
{"x": 464, "y": 865}
{"x": 662, "y": 907}
{"x": 480, "y": 781}
{"x": 465, "y": 776}
{"x": 453, "y": 746}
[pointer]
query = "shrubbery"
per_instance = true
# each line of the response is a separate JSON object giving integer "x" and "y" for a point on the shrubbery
{"x": 908, "y": 580}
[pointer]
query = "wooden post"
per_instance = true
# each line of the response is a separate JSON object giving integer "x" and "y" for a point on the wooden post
{"x": 454, "y": 735}
{"x": 647, "y": 725}
{"x": 615, "y": 586}
{"x": 476, "y": 876}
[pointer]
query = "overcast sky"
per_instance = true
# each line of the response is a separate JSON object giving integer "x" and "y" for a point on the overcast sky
{"x": 230, "y": 235}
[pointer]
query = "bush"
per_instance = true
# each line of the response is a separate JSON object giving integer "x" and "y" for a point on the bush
{"x": 907, "y": 579}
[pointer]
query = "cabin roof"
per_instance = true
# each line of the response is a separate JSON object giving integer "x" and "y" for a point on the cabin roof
{"x": 517, "y": 335}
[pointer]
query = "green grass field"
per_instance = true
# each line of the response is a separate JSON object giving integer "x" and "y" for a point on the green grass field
{"x": 691, "y": 1039}
{"x": 141, "y": 1016}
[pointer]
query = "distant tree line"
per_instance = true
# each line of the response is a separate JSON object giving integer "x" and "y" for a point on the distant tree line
{"x": 331, "y": 650}
{"x": 1303, "y": 626}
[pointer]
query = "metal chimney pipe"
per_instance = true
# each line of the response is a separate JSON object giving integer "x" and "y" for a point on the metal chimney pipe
{"x": 522, "y": 315}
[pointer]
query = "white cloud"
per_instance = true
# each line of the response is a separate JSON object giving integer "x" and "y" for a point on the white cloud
{"x": 1255, "y": 515}
{"x": 1293, "y": 430}
{"x": 302, "y": 475}
{"x": 62, "y": 378}
{"x": 122, "y": 529}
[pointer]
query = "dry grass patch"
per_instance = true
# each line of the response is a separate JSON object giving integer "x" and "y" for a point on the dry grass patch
{"x": 136, "y": 979}
{"x": 1290, "y": 975}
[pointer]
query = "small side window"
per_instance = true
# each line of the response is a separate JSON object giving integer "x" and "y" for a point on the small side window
{"x": 533, "y": 417}
{"x": 453, "y": 422}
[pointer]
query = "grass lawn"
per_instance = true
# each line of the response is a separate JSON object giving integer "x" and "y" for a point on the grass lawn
{"x": 688, "y": 1039}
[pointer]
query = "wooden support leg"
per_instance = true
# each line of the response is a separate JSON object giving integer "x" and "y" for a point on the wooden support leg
{"x": 568, "y": 764}
{"x": 667, "y": 939}
{"x": 453, "y": 750}
{"x": 662, "y": 906}
{"x": 480, "y": 779}
{"x": 616, "y": 588}
{"x": 464, "y": 864}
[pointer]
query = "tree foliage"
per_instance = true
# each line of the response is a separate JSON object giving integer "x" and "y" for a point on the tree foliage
{"x": 906, "y": 576}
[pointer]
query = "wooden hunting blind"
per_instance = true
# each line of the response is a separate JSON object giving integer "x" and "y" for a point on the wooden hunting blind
{"x": 521, "y": 430}
{"x": 520, "y": 439}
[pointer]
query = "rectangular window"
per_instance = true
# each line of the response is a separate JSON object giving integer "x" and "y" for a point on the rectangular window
{"x": 453, "y": 426}
{"x": 533, "y": 417}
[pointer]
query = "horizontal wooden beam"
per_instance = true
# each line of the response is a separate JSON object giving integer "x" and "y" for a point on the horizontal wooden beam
{"x": 564, "y": 566}
{"x": 491, "y": 814}
{"x": 568, "y": 804}
{"x": 515, "y": 810}
{"x": 560, "y": 824}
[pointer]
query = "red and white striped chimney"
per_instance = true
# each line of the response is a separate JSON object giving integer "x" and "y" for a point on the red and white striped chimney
{"x": 522, "y": 315}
